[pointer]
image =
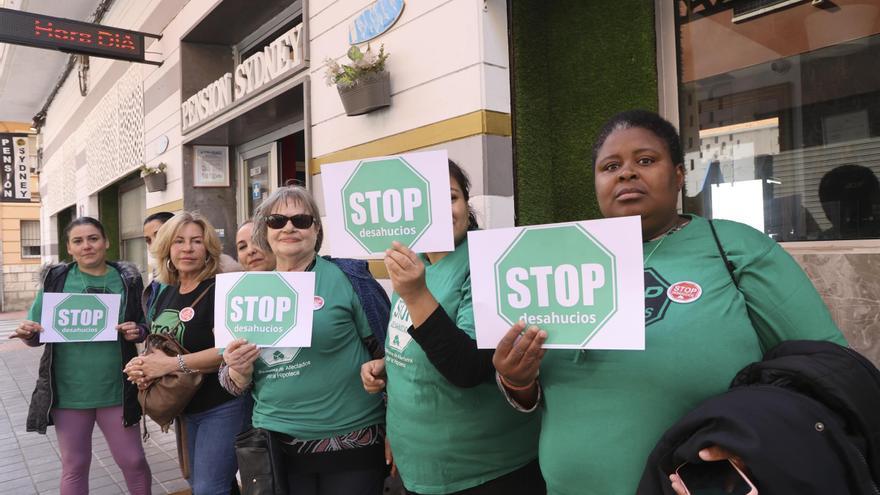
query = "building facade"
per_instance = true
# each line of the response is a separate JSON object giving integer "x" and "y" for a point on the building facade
{"x": 230, "y": 133}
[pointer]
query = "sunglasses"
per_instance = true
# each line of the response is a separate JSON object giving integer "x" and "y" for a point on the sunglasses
{"x": 300, "y": 221}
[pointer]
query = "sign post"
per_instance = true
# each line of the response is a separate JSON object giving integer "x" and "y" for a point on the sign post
{"x": 269, "y": 309}
{"x": 373, "y": 202}
{"x": 582, "y": 282}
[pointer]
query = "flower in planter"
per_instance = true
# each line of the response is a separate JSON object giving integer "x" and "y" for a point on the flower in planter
{"x": 365, "y": 66}
{"x": 147, "y": 170}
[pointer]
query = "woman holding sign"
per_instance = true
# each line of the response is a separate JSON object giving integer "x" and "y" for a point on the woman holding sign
{"x": 187, "y": 251}
{"x": 310, "y": 399}
{"x": 78, "y": 384}
{"x": 604, "y": 410}
{"x": 448, "y": 427}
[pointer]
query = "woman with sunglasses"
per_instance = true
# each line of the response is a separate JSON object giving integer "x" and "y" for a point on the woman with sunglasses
{"x": 79, "y": 384}
{"x": 450, "y": 430}
{"x": 331, "y": 431}
{"x": 187, "y": 250}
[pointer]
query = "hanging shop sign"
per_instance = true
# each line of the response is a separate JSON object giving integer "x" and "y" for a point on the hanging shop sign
{"x": 68, "y": 35}
{"x": 15, "y": 172}
{"x": 276, "y": 61}
{"x": 375, "y": 20}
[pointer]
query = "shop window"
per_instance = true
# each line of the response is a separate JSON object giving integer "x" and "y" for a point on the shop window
{"x": 30, "y": 239}
{"x": 780, "y": 113}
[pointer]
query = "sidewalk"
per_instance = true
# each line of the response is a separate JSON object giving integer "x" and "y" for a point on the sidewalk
{"x": 30, "y": 463}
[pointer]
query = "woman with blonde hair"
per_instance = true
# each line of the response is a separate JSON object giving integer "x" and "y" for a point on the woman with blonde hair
{"x": 187, "y": 250}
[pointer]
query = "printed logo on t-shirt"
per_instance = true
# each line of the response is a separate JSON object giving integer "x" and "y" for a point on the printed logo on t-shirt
{"x": 169, "y": 322}
{"x": 684, "y": 292}
{"x": 187, "y": 314}
{"x": 398, "y": 337}
{"x": 275, "y": 356}
{"x": 656, "y": 301}
{"x": 319, "y": 303}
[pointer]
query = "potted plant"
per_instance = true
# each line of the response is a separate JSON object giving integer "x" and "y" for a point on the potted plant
{"x": 154, "y": 177}
{"x": 363, "y": 85}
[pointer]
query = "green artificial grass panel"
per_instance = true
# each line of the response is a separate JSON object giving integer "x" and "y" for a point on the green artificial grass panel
{"x": 576, "y": 63}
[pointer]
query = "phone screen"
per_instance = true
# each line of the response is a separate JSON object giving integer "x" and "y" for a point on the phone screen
{"x": 713, "y": 478}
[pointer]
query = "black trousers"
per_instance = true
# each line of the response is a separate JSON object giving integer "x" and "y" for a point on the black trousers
{"x": 359, "y": 471}
{"x": 526, "y": 480}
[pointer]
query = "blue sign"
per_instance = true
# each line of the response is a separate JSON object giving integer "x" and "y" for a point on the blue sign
{"x": 374, "y": 20}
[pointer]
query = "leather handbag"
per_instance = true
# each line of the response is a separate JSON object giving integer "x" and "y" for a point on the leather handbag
{"x": 261, "y": 463}
{"x": 168, "y": 396}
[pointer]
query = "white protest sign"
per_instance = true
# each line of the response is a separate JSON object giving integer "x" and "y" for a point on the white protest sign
{"x": 375, "y": 201}
{"x": 582, "y": 282}
{"x": 270, "y": 309}
{"x": 79, "y": 317}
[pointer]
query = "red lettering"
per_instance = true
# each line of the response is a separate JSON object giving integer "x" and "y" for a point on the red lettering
{"x": 38, "y": 28}
{"x": 127, "y": 43}
{"x": 102, "y": 38}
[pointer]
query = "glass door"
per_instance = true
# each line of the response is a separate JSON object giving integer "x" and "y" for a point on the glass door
{"x": 258, "y": 167}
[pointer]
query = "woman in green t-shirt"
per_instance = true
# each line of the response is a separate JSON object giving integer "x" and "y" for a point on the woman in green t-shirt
{"x": 449, "y": 428}
{"x": 310, "y": 399}
{"x": 79, "y": 384}
{"x": 603, "y": 411}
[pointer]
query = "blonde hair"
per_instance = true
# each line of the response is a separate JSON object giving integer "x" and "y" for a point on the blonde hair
{"x": 161, "y": 249}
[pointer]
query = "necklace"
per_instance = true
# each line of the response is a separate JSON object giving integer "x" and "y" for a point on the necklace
{"x": 675, "y": 228}
{"x": 85, "y": 287}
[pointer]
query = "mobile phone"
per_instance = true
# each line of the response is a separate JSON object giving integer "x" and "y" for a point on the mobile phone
{"x": 714, "y": 478}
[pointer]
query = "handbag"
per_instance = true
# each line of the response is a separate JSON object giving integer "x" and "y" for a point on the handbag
{"x": 166, "y": 397}
{"x": 261, "y": 463}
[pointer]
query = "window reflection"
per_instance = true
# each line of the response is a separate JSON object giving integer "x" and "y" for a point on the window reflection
{"x": 780, "y": 118}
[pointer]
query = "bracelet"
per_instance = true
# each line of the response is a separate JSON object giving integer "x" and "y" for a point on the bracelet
{"x": 182, "y": 365}
{"x": 511, "y": 386}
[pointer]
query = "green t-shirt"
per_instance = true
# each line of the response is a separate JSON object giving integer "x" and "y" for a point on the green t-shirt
{"x": 445, "y": 438}
{"x": 604, "y": 411}
{"x": 316, "y": 392}
{"x": 87, "y": 375}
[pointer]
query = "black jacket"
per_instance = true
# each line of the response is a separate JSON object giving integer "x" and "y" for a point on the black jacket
{"x": 805, "y": 420}
{"x": 39, "y": 414}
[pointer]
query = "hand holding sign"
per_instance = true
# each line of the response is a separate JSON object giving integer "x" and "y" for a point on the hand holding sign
{"x": 372, "y": 202}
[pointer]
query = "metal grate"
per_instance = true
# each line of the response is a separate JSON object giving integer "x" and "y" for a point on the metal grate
{"x": 746, "y": 9}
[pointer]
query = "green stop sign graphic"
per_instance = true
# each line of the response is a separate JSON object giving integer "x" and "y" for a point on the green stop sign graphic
{"x": 560, "y": 279}
{"x": 261, "y": 307}
{"x": 80, "y": 317}
{"x": 386, "y": 200}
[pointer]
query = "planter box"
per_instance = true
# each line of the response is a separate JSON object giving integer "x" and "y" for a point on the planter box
{"x": 155, "y": 182}
{"x": 366, "y": 96}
